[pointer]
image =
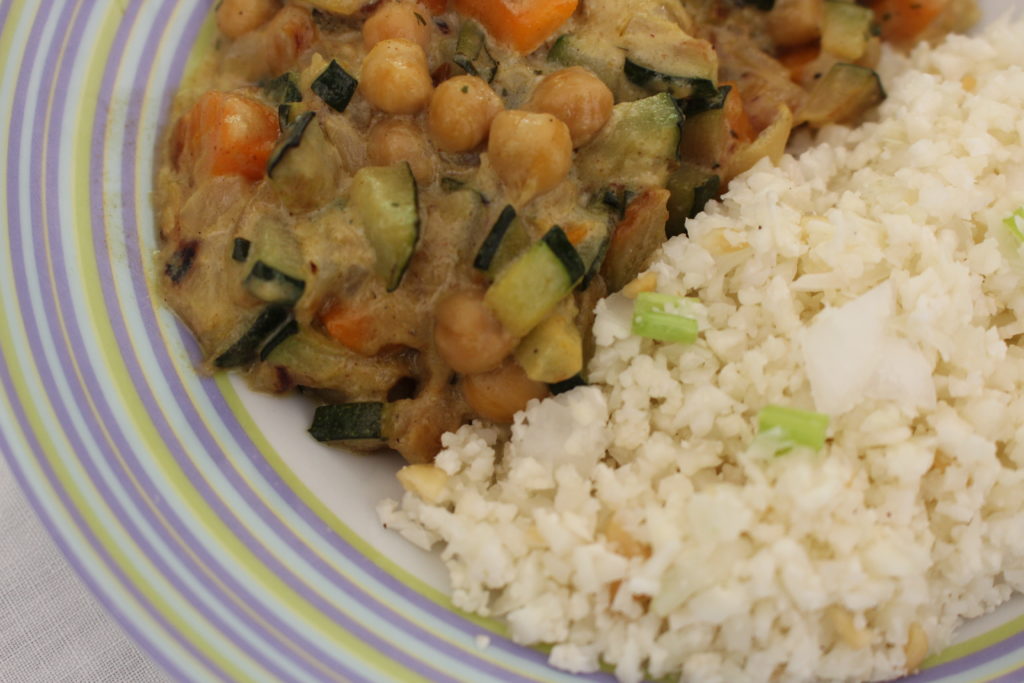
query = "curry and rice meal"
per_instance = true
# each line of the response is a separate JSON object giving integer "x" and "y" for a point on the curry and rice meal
{"x": 786, "y": 444}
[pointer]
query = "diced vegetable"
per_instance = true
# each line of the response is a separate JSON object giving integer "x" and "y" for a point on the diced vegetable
{"x": 846, "y": 29}
{"x": 845, "y": 92}
{"x": 653, "y": 319}
{"x": 247, "y": 348}
{"x": 691, "y": 187}
{"x": 567, "y": 385}
{"x": 289, "y": 329}
{"x": 506, "y": 240}
{"x": 521, "y": 24}
{"x": 277, "y": 275}
{"x": 902, "y": 21}
{"x": 304, "y": 166}
{"x": 636, "y": 146}
{"x": 736, "y": 119}
{"x": 530, "y": 287}
{"x": 227, "y": 134}
{"x": 351, "y": 326}
{"x": 240, "y": 249}
{"x": 471, "y": 52}
{"x": 335, "y": 86}
{"x": 273, "y": 286}
{"x": 636, "y": 238}
{"x": 283, "y": 89}
{"x": 603, "y": 59}
{"x": 679, "y": 87}
{"x": 349, "y": 422}
{"x": 771, "y": 143}
{"x": 385, "y": 198}
{"x": 343, "y": 7}
{"x": 553, "y": 351}
{"x": 1015, "y": 224}
{"x": 594, "y": 244}
{"x": 793, "y": 427}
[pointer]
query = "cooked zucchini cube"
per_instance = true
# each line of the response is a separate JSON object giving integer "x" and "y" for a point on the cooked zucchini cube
{"x": 637, "y": 145}
{"x": 385, "y": 199}
{"x": 528, "y": 290}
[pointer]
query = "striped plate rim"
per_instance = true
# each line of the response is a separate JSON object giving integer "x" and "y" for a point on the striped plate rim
{"x": 156, "y": 483}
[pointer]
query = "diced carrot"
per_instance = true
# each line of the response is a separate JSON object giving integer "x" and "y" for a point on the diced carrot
{"x": 576, "y": 232}
{"x": 227, "y": 134}
{"x": 736, "y": 116}
{"x": 435, "y": 6}
{"x": 351, "y": 327}
{"x": 797, "y": 59}
{"x": 904, "y": 20}
{"x": 521, "y": 24}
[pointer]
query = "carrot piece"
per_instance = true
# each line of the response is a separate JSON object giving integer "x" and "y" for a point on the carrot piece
{"x": 435, "y": 6}
{"x": 522, "y": 24}
{"x": 576, "y": 232}
{"x": 355, "y": 329}
{"x": 736, "y": 116}
{"x": 797, "y": 59}
{"x": 227, "y": 134}
{"x": 904, "y": 20}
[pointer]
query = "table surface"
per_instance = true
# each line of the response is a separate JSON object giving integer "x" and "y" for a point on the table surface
{"x": 52, "y": 630}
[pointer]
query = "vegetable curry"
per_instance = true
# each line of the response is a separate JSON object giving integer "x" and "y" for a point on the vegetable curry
{"x": 408, "y": 211}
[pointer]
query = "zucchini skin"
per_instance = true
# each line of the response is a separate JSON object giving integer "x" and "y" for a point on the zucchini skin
{"x": 335, "y": 86}
{"x": 529, "y": 288}
{"x": 282, "y": 89}
{"x": 246, "y": 350}
{"x": 348, "y": 422}
{"x": 288, "y": 289}
{"x": 240, "y": 249}
{"x": 489, "y": 249}
{"x": 290, "y": 139}
{"x": 471, "y": 53}
{"x": 560, "y": 245}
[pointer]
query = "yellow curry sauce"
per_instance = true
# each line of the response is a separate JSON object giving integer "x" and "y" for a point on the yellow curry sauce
{"x": 409, "y": 211}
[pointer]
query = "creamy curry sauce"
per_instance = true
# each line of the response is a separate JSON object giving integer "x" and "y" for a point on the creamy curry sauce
{"x": 409, "y": 212}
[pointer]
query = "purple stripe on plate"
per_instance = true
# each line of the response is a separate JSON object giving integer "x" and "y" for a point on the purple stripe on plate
{"x": 5, "y": 11}
{"x": 14, "y": 183}
{"x": 977, "y": 659}
{"x": 82, "y": 397}
{"x": 151, "y": 403}
{"x": 81, "y": 528}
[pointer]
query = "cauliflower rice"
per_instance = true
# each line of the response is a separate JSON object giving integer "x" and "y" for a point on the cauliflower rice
{"x": 637, "y": 522}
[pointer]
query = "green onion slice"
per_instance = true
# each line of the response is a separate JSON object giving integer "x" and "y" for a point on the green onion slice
{"x": 652, "y": 320}
{"x": 1015, "y": 224}
{"x": 793, "y": 427}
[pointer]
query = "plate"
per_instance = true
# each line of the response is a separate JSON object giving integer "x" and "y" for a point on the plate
{"x": 224, "y": 541}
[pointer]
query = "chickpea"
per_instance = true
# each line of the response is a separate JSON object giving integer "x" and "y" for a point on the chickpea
{"x": 395, "y": 77}
{"x": 530, "y": 152}
{"x": 398, "y": 20}
{"x": 461, "y": 112}
{"x": 468, "y": 335}
{"x": 498, "y": 395}
{"x": 578, "y": 98}
{"x": 394, "y": 140}
{"x": 238, "y": 17}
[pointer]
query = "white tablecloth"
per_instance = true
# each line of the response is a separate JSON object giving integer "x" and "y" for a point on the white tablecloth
{"x": 52, "y": 630}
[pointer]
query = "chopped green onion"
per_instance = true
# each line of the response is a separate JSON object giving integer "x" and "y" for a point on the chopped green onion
{"x": 1015, "y": 224}
{"x": 651, "y": 319}
{"x": 793, "y": 426}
